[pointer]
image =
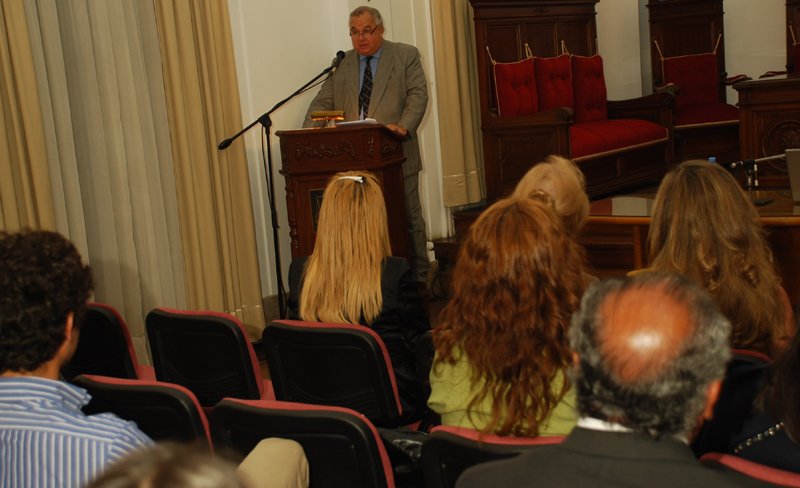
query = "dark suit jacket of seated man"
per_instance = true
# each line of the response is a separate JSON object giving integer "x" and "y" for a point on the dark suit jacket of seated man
{"x": 649, "y": 355}
{"x": 398, "y": 99}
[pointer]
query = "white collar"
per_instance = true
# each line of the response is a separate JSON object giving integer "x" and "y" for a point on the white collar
{"x": 592, "y": 423}
{"x": 597, "y": 424}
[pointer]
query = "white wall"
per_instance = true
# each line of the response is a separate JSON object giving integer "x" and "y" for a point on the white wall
{"x": 755, "y": 38}
{"x": 281, "y": 45}
{"x": 618, "y": 43}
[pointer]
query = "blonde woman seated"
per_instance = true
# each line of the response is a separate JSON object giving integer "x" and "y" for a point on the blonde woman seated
{"x": 564, "y": 182}
{"x": 352, "y": 278}
{"x": 501, "y": 345}
{"x": 705, "y": 227}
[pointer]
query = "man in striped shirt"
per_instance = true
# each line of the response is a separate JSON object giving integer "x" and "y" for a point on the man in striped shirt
{"x": 45, "y": 439}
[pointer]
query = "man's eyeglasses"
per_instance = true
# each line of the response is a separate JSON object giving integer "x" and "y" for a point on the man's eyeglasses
{"x": 367, "y": 32}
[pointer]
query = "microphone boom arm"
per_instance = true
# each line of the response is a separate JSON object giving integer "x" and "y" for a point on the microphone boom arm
{"x": 266, "y": 122}
{"x": 264, "y": 119}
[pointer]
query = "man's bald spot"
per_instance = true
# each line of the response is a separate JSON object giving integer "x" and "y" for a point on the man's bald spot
{"x": 643, "y": 331}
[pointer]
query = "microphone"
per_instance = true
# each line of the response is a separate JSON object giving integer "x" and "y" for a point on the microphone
{"x": 338, "y": 59}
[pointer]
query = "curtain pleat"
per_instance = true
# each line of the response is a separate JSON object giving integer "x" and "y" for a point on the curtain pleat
{"x": 459, "y": 117}
{"x": 213, "y": 191}
{"x": 101, "y": 88}
{"x": 25, "y": 196}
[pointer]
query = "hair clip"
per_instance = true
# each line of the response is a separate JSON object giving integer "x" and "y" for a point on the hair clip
{"x": 359, "y": 179}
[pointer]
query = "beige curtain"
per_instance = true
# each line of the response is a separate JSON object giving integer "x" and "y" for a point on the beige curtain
{"x": 456, "y": 91}
{"x": 103, "y": 108}
{"x": 212, "y": 186}
{"x": 25, "y": 199}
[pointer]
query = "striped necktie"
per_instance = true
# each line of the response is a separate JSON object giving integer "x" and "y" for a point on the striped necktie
{"x": 366, "y": 89}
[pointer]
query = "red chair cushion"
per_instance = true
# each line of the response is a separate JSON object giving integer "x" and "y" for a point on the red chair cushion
{"x": 696, "y": 77}
{"x": 705, "y": 113}
{"x": 515, "y": 86}
{"x": 589, "y": 89}
{"x": 554, "y": 82}
{"x": 591, "y": 138}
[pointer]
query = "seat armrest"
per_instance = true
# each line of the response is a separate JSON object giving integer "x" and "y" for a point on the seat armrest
{"x": 770, "y": 74}
{"x": 560, "y": 115}
{"x": 730, "y": 80}
{"x": 657, "y": 107}
{"x": 671, "y": 88}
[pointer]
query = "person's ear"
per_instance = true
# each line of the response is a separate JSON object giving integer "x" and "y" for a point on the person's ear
{"x": 712, "y": 394}
{"x": 576, "y": 360}
{"x": 69, "y": 327}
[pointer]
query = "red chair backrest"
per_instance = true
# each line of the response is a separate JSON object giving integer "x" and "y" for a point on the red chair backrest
{"x": 104, "y": 346}
{"x": 342, "y": 446}
{"x": 515, "y": 88}
{"x": 554, "y": 82}
{"x": 589, "y": 88}
{"x": 696, "y": 77}
{"x": 333, "y": 364}
{"x": 207, "y": 352}
{"x": 449, "y": 451}
{"x": 751, "y": 469}
{"x": 163, "y": 411}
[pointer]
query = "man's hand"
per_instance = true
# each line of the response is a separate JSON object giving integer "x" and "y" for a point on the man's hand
{"x": 400, "y": 131}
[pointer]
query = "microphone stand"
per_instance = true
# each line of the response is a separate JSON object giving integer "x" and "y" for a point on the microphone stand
{"x": 266, "y": 122}
{"x": 750, "y": 167}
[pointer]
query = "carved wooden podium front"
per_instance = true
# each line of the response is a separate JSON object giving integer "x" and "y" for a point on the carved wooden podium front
{"x": 311, "y": 156}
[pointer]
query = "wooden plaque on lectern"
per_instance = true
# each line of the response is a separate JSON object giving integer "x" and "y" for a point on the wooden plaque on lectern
{"x": 311, "y": 156}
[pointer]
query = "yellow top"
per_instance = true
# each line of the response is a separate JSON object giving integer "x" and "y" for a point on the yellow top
{"x": 451, "y": 392}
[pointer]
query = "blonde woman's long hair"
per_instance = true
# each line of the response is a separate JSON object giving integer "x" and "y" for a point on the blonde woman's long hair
{"x": 342, "y": 277}
{"x": 564, "y": 182}
{"x": 705, "y": 227}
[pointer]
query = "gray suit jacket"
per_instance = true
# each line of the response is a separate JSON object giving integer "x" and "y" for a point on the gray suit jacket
{"x": 399, "y": 94}
{"x": 589, "y": 458}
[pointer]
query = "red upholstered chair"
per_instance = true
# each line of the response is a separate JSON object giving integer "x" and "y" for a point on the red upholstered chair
{"x": 342, "y": 446}
{"x": 705, "y": 125}
{"x": 750, "y": 469}
{"x": 593, "y": 133}
{"x": 333, "y": 364}
{"x": 105, "y": 347}
{"x": 697, "y": 81}
{"x": 163, "y": 411}
{"x": 206, "y": 352}
{"x": 617, "y": 144}
{"x": 449, "y": 451}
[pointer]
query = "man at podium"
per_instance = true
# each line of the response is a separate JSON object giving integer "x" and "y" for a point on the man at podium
{"x": 383, "y": 80}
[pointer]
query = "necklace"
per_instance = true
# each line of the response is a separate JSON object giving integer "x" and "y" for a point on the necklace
{"x": 758, "y": 437}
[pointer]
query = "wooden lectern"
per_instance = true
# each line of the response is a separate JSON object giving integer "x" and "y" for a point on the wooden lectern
{"x": 311, "y": 156}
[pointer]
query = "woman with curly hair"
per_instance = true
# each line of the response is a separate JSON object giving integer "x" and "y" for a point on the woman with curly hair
{"x": 352, "y": 278}
{"x": 501, "y": 346}
{"x": 705, "y": 227}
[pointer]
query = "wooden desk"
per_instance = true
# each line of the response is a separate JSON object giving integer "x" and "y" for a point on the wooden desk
{"x": 615, "y": 237}
{"x": 769, "y": 115}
